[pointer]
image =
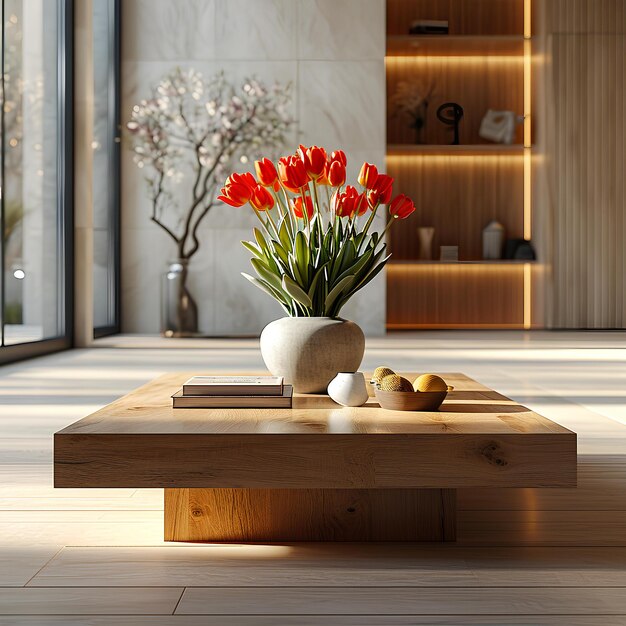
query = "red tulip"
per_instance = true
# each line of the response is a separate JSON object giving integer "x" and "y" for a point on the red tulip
{"x": 381, "y": 191}
{"x": 292, "y": 173}
{"x": 314, "y": 159}
{"x": 339, "y": 155}
{"x": 368, "y": 175}
{"x": 296, "y": 205}
{"x": 337, "y": 174}
{"x": 237, "y": 189}
{"x": 348, "y": 203}
{"x": 401, "y": 207}
{"x": 266, "y": 173}
{"x": 361, "y": 205}
{"x": 261, "y": 199}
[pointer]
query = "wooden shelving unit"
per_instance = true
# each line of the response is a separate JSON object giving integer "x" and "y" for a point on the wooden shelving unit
{"x": 484, "y": 63}
{"x": 451, "y": 45}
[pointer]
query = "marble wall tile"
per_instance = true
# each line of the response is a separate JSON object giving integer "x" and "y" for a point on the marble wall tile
{"x": 166, "y": 30}
{"x": 342, "y": 103}
{"x": 145, "y": 254}
{"x": 255, "y": 29}
{"x": 240, "y": 307}
{"x": 350, "y": 29}
{"x": 338, "y": 103}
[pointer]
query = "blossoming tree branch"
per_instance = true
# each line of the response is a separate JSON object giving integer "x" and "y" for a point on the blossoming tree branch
{"x": 190, "y": 133}
{"x": 315, "y": 247}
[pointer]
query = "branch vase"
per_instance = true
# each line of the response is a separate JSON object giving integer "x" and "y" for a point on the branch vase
{"x": 308, "y": 352}
{"x": 179, "y": 311}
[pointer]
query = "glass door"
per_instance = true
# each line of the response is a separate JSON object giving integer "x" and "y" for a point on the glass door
{"x": 35, "y": 205}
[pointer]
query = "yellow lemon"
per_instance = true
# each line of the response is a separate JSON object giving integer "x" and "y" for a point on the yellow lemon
{"x": 380, "y": 373}
{"x": 393, "y": 382}
{"x": 430, "y": 382}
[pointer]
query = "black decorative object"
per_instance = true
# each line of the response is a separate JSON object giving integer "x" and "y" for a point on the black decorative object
{"x": 451, "y": 113}
{"x": 519, "y": 250}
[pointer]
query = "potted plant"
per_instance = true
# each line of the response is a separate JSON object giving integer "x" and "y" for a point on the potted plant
{"x": 314, "y": 249}
{"x": 186, "y": 136}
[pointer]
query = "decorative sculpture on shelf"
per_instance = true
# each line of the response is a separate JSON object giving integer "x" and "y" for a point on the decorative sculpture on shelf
{"x": 411, "y": 101}
{"x": 500, "y": 126}
{"x": 451, "y": 113}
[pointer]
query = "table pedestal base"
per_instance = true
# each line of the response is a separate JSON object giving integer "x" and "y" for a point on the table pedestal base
{"x": 277, "y": 515}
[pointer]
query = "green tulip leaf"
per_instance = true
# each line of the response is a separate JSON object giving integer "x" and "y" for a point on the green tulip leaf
{"x": 266, "y": 274}
{"x": 252, "y": 247}
{"x": 283, "y": 233}
{"x": 335, "y": 292}
{"x": 302, "y": 253}
{"x": 296, "y": 292}
{"x": 267, "y": 288}
{"x": 281, "y": 253}
{"x": 260, "y": 239}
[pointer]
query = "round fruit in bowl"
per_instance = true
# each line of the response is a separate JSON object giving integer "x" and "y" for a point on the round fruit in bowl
{"x": 380, "y": 373}
{"x": 430, "y": 382}
{"x": 395, "y": 383}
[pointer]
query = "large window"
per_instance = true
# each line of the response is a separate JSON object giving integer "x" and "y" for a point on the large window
{"x": 106, "y": 146}
{"x": 35, "y": 202}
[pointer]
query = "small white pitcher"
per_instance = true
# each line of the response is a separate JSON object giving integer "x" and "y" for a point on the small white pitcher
{"x": 348, "y": 389}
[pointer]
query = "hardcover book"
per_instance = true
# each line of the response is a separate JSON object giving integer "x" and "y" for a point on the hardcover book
{"x": 283, "y": 401}
{"x": 233, "y": 386}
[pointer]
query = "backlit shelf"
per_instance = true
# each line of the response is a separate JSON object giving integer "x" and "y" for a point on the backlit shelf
{"x": 419, "y": 262}
{"x": 455, "y": 45}
{"x": 399, "y": 149}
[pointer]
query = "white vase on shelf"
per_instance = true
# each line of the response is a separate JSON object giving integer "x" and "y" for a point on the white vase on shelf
{"x": 493, "y": 241}
{"x": 425, "y": 235}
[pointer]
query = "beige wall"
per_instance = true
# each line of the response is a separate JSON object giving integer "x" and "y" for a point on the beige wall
{"x": 580, "y": 196}
{"x": 332, "y": 51}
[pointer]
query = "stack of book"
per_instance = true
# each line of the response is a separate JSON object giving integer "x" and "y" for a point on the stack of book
{"x": 230, "y": 392}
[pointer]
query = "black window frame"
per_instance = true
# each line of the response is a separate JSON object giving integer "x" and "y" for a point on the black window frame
{"x": 114, "y": 127}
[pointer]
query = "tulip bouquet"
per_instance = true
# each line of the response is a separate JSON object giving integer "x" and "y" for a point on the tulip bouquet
{"x": 315, "y": 247}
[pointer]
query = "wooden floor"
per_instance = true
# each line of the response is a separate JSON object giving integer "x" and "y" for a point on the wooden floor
{"x": 94, "y": 557}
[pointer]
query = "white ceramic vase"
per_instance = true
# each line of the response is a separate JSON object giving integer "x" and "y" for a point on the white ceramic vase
{"x": 308, "y": 352}
{"x": 348, "y": 389}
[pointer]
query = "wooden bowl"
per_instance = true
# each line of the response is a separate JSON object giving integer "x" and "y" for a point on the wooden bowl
{"x": 411, "y": 400}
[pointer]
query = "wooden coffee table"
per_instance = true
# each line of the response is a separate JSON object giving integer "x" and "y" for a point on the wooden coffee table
{"x": 317, "y": 472}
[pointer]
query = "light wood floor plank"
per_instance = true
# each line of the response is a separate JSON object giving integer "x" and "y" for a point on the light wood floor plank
{"x": 18, "y": 564}
{"x": 402, "y": 601}
{"x": 89, "y": 601}
{"x": 549, "y": 528}
{"x": 313, "y": 620}
{"x": 601, "y": 487}
{"x": 342, "y": 565}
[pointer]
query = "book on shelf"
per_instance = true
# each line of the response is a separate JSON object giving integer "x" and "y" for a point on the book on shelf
{"x": 283, "y": 401}
{"x": 233, "y": 386}
{"x": 429, "y": 27}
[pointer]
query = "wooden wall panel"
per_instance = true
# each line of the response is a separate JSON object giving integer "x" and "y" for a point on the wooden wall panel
{"x": 487, "y": 17}
{"x": 455, "y": 296}
{"x": 585, "y": 194}
{"x": 579, "y": 194}
{"x": 466, "y": 17}
{"x": 458, "y": 195}
{"x": 477, "y": 83}
{"x": 400, "y": 13}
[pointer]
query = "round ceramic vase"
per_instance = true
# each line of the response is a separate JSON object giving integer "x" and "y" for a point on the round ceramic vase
{"x": 348, "y": 389}
{"x": 308, "y": 352}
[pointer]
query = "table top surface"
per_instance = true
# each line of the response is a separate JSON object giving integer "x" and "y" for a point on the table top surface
{"x": 471, "y": 409}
